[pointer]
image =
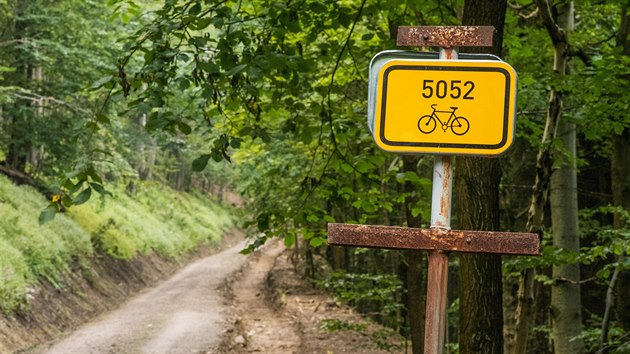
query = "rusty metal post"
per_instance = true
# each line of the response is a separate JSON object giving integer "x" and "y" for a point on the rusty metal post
{"x": 437, "y": 283}
{"x": 439, "y": 239}
{"x": 435, "y": 322}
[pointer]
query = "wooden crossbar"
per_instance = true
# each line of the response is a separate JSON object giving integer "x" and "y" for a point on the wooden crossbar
{"x": 514, "y": 243}
{"x": 445, "y": 36}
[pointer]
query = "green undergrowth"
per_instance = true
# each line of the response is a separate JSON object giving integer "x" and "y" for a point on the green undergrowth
{"x": 155, "y": 219}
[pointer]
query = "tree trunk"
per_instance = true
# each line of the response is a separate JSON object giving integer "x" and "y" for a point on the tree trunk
{"x": 18, "y": 145}
{"x": 36, "y": 154}
{"x": 565, "y": 292}
{"x": 151, "y": 158}
{"x": 141, "y": 162}
{"x": 620, "y": 165}
{"x": 481, "y": 311}
{"x": 540, "y": 192}
{"x": 416, "y": 264}
{"x": 621, "y": 197}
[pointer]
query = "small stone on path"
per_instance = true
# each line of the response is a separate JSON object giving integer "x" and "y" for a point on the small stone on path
{"x": 239, "y": 340}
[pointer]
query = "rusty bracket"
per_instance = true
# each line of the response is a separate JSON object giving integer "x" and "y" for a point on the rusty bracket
{"x": 445, "y": 36}
{"x": 515, "y": 243}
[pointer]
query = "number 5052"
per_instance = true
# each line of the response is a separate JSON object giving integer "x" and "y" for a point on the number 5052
{"x": 452, "y": 88}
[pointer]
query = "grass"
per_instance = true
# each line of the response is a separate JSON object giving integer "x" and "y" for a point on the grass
{"x": 156, "y": 219}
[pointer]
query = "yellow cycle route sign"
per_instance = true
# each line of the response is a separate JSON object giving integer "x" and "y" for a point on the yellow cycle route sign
{"x": 445, "y": 107}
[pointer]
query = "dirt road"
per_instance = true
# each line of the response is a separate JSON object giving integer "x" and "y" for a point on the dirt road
{"x": 260, "y": 328}
{"x": 185, "y": 314}
{"x": 264, "y": 307}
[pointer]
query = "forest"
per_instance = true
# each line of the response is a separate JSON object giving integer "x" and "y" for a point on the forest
{"x": 268, "y": 99}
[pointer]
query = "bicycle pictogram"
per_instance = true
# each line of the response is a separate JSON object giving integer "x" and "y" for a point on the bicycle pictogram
{"x": 458, "y": 125}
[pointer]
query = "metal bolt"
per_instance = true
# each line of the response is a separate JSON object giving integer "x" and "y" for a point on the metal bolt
{"x": 468, "y": 240}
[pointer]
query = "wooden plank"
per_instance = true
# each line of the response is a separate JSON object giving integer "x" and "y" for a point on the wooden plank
{"x": 372, "y": 236}
{"x": 445, "y": 36}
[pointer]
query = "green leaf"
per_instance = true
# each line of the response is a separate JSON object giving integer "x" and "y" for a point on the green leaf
{"x": 368, "y": 36}
{"x": 369, "y": 207}
{"x": 95, "y": 177}
{"x": 91, "y": 126}
{"x": 67, "y": 184}
{"x": 83, "y": 196}
{"x": 209, "y": 67}
{"x": 289, "y": 240}
{"x": 184, "y": 128}
{"x": 207, "y": 92}
{"x": 75, "y": 188}
{"x": 102, "y": 81}
{"x": 47, "y": 214}
{"x": 195, "y": 9}
{"x": 235, "y": 143}
{"x": 200, "y": 163}
{"x": 183, "y": 84}
{"x": 329, "y": 219}
{"x": 235, "y": 70}
{"x": 363, "y": 166}
{"x": 101, "y": 118}
{"x": 100, "y": 189}
{"x": 203, "y": 23}
{"x": 66, "y": 201}
{"x": 247, "y": 250}
{"x": 409, "y": 176}
{"x": 317, "y": 241}
{"x": 216, "y": 155}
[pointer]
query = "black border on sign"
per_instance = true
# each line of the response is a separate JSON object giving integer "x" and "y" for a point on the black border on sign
{"x": 446, "y": 145}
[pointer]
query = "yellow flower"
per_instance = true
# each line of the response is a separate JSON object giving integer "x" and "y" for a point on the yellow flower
{"x": 56, "y": 198}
